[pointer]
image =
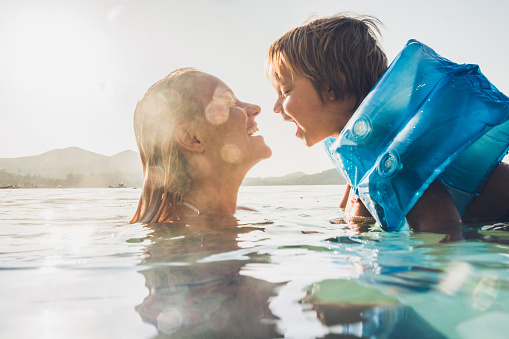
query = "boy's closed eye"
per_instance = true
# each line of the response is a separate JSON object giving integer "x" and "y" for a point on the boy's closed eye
{"x": 285, "y": 92}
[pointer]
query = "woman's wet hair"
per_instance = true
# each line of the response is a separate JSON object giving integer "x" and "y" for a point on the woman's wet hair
{"x": 341, "y": 52}
{"x": 170, "y": 102}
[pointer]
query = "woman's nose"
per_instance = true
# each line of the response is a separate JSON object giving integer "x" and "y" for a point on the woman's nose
{"x": 252, "y": 110}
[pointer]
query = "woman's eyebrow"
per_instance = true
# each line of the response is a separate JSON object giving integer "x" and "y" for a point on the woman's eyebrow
{"x": 230, "y": 91}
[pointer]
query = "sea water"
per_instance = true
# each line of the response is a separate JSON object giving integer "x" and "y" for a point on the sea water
{"x": 71, "y": 268}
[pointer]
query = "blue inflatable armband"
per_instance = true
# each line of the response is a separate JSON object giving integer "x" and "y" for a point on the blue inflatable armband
{"x": 427, "y": 118}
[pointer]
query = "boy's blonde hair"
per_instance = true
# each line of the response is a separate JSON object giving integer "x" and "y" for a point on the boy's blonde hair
{"x": 341, "y": 52}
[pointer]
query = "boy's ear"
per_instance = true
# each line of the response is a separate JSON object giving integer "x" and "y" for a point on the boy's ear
{"x": 330, "y": 94}
{"x": 185, "y": 137}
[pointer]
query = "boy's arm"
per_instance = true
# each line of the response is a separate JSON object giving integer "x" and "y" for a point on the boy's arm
{"x": 435, "y": 211}
{"x": 345, "y": 197}
{"x": 354, "y": 209}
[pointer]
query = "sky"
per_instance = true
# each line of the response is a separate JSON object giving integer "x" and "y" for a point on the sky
{"x": 71, "y": 71}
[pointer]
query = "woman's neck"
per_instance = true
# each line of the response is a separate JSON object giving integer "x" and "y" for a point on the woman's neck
{"x": 217, "y": 196}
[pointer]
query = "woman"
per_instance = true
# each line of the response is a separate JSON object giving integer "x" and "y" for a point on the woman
{"x": 196, "y": 145}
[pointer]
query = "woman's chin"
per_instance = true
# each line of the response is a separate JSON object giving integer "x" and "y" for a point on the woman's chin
{"x": 268, "y": 153}
{"x": 260, "y": 149}
{"x": 265, "y": 152}
{"x": 260, "y": 155}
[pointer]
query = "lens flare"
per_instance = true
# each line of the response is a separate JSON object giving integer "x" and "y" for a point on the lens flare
{"x": 456, "y": 277}
{"x": 218, "y": 109}
{"x": 169, "y": 320}
{"x": 485, "y": 293}
{"x": 231, "y": 154}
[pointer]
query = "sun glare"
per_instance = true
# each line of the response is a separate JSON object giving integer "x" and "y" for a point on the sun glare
{"x": 51, "y": 47}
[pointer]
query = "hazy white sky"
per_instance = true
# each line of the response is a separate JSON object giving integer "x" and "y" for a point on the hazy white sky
{"x": 71, "y": 71}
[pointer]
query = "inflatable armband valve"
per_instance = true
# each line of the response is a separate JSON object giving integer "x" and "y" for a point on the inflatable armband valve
{"x": 427, "y": 118}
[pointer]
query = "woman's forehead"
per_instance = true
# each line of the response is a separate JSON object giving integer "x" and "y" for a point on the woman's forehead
{"x": 213, "y": 88}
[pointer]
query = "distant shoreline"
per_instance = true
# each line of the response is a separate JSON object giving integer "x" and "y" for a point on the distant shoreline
{"x": 120, "y": 180}
{"x": 74, "y": 167}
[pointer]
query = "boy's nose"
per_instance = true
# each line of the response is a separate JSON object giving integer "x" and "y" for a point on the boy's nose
{"x": 278, "y": 108}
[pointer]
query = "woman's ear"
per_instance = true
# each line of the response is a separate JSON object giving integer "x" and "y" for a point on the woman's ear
{"x": 185, "y": 137}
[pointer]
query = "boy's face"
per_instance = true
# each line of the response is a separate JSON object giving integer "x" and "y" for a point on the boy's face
{"x": 299, "y": 102}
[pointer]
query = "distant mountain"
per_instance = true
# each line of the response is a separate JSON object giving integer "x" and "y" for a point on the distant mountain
{"x": 126, "y": 161}
{"x": 76, "y": 167}
{"x": 50, "y": 163}
{"x": 328, "y": 177}
{"x": 59, "y": 163}
{"x": 71, "y": 167}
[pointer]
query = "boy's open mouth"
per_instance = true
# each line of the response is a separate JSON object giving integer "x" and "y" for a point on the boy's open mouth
{"x": 288, "y": 119}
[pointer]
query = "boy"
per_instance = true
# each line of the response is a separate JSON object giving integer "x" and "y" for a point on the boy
{"x": 322, "y": 71}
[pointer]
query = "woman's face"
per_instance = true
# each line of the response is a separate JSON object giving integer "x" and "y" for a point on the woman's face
{"x": 230, "y": 127}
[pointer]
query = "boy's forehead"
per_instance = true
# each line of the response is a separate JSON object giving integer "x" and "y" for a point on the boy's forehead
{"x": 281, "y": 75}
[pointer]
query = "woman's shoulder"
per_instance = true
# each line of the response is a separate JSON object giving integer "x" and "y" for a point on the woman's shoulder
{"x": 244, "y": 208}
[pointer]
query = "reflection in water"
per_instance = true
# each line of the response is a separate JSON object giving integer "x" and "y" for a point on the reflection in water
{"x": 337, "y": 306}
{"x": 212, "y": 277}
{"x": 193, "y": 297}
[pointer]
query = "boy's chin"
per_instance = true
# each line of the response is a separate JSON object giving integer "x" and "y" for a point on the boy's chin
{"x": 308, "y": 141}
{"x": 311, "y": 139}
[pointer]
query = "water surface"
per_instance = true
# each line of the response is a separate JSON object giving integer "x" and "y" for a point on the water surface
{"x": 71, "y": 268}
